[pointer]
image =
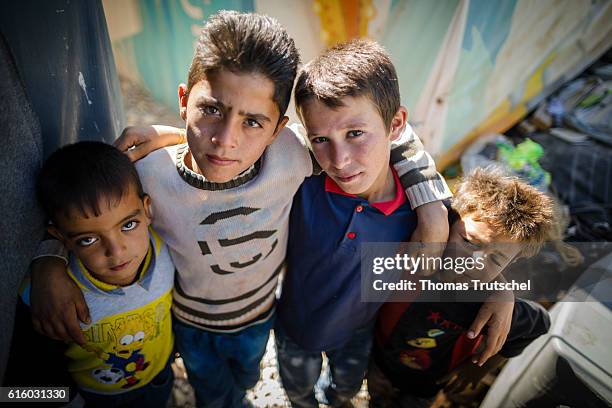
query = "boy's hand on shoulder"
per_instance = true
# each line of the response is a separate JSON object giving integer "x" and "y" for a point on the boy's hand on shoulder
{"x": 56, "y": 302}
{"x": 496, "y": 315}
{"x": 432, "y": 230}
{"x": 139, "y": 141}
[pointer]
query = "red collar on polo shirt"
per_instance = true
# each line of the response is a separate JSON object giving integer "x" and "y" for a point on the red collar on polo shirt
{"x": 386, "y": 207}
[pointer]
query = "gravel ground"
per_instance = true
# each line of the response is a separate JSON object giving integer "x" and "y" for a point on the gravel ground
{"x": 142, "y": 109}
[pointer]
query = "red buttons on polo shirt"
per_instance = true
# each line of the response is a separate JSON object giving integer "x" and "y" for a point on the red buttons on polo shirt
{"x": 351, "y": 235}
{"x": 359, "y": 208}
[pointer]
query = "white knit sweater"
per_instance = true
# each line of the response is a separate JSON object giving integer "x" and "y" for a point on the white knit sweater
{"x": 227, "y": 240}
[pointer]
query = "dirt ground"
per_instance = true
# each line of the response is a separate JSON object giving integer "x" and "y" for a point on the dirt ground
{"x": 142, "y": 109}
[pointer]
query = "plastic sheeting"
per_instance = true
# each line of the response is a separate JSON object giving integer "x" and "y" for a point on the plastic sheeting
{"x": 63, "y": 55}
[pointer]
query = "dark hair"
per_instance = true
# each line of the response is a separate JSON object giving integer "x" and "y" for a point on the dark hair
{"x": 247, "y": 43}
{"x": 81, "y": 175}
{"x": 354, "y": 68}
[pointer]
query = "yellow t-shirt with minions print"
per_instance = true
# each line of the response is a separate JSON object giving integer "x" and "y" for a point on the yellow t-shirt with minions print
{"x": 130, "y": 338}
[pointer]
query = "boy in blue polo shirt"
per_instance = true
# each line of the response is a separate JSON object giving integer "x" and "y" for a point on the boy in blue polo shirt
{"x": 348, "y": 100}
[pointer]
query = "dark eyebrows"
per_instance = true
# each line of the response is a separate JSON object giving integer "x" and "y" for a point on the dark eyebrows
{"x": 131, "y": 215}
{"x": 353, "y": 125}
{"x": 347, "y": 126}
{"x": 76, "y": 234}
{"x": 260, "y": 117}
{"x": 207, "y": 100}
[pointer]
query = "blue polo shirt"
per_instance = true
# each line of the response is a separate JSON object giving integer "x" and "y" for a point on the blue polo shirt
{"x": 320, "y": 306}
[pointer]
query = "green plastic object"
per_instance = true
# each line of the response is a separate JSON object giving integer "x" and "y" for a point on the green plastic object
{"x": 524, "y": 160}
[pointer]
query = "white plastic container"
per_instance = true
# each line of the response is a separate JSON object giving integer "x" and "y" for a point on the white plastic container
{"x": 572, "y": 364}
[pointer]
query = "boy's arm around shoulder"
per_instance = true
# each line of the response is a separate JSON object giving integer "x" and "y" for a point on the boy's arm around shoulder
{"x": 425, "y": 188}
{"x": 56, "y": 302}
{"x": 494, "y": 319}
{"x": 417, "y": 170}
{"x": 529, "y": 321}
{"x": 139, "y": 141}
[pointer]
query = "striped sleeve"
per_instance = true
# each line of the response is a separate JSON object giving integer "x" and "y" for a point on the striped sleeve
{"x": 417, "y": 170}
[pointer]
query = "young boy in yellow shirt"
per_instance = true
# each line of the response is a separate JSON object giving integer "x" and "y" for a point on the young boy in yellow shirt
{"x": 92, "y": 194}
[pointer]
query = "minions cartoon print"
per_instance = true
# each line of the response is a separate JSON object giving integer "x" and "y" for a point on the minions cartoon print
{"x": 125, "y": 358}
